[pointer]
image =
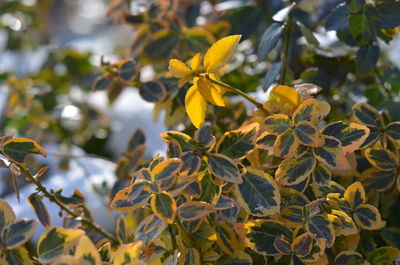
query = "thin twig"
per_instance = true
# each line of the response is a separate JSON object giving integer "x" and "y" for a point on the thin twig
{"x": 236, "y": 91}
{"x": 54, "y": 199}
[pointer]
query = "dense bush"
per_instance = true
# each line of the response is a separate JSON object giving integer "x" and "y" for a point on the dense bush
{"x": 307, "y": 176}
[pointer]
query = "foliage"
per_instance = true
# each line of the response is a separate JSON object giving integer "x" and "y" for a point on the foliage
{"x": 300, "y": 179}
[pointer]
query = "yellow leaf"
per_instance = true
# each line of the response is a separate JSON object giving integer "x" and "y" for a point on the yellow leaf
{"x": 128, "y": 254}
{"x": 283, "y": 99}
{"x": 195, "y": 64}
{"x": 178, "y": 69}
{"x": 184, "y": 80}
{"x": 220, "y": 53}
{"x": 210, "y": 92}
{"x": 195, "y": 106}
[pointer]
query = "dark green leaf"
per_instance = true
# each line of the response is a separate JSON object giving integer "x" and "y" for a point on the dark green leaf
{"x": 40, "y": 209}
{"x": 153, "y": 91}
{"x": 18, "y": 148}
{"x": 17, "y": 233}
{"x": 224, "y": 168}
{"x": 271, "y": 75}
{"x": 269, "y": 40}
{"x": 367, "y": 57}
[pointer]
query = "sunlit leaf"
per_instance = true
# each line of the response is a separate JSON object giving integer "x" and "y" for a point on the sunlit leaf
{"x": 131, "y": 198}
{"x": 238, "y": 143}
{"x": 17, "y": 233}
{"x": 185, "y": 141}
{"x": 331, "y": 154}
{"x": 355, "y": 194}
{"x": 277, "y": 124}
{"x": 259, "y": 193}
{"x": 193, "y": 210}
{"x": 195, "y": 106}
{"x": 88, "y": 251}
{"x": 308, "y": 134}
{"x": 127, "y": 254}
{"x": 285, "y": 144}
{"x": 262, "y": 233}
{"x": 164, "y": 206}
{"x": 266, "y": 141}
{"x": 149, "y": 235}
{"x": 220, "y": 53}
{"x": 57, "y": 241}
{"x": 292, "y": 216}
{"x": 18, "y": 148}
{"x": 321, "y": 175}
{"x": 224, "y": 168}
{"x": 210, "y": 92}
{"x": 348, "y": 226}
{"x": 16, "y": 256}
{"x": 366, "y": 114}
{"x": 294, "y": 170}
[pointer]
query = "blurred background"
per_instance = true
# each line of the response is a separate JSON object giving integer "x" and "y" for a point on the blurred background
{"x": 69, "y": 76}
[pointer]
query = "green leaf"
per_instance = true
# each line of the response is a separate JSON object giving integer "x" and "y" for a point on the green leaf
{"x": 204, "y": 137}
{"x": 366, "y": 114}
{"x": 348, "y": 227}
{"x": 17, "y": 256}
{"x": 388, "y": 13}
{"x": 367, "y": 57}
{"x": 368, "y": 217}
{"x": 349, "y": 257}
{"x": 355, "y": 194}
{"x": 384, "y": 255}
{"x": 149, "y": 235}
{"x": 76, "y": 199}
{"x": 308, "y": 34}
{"x": 376, "y": 179}
{"x": 57, "y": 241}
{"x": 285, "y": 144}
{"x": 194, "y": 210}
{"x": 277, "y": 123}
{"x": 322, "y": 228}
{"x": 338, "y": 19}
{"x": 361, "y": 26}
{"x": 161, "y": 44}
{"x": 269, "y": 40}
{"x": 191, "y": 164}
{"x": 189, "y": 256}
{"x": 153, "y": 91}
{"x": 102, "y": 83}
{"x": 331, "y": 154}
{"x": 7, "y": 215}
{"x": 166, "y": 169}
{"x": 292, "y": 216}
{"x": 238, "y": 143}
{"x": 308, "y": 134}
{"x": 88, "y": 251}
{"x": 40, "y": 209}
{"x": 17, "y": 233}
{"x": 391, "y": 236}
{"x": 226, "y": 238}
{"x": 321, "y": 175}
{"x": 262, "y": 234}
{"x": 164, "y": 206}
{"x": 238, "y": 258}
{"x": 271, "y": 75}
{"x": 259, "y": 193}
{"x": 381, "y": 159}
{"x": 137, "y": 139}
{"x": 185, "y": 141}
{"x": 294, "y": 170}
{"x": 266, "y": 141}
{"x": 18, "y": 148}
{"x": 131, "y": 197}
{"x": 303, "y": 244}
{"x": 128, "y": 70}
{"x": 291, "y": 197}
{"x": 121, "y": 230}
{"x": 224, "y": 168}
{"x": 282, "y": 246}
{"x": 351, "y": 136}
{"x": 393, "y": 130}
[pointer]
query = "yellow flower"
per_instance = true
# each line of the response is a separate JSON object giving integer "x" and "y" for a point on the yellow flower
{"x": 202, "y": 90}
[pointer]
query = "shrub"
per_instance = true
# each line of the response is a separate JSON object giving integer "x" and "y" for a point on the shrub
{"x": 296, "y": 181}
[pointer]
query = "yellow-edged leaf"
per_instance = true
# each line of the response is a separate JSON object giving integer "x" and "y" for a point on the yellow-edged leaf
{"x": 355, "y": 194}
{"x": 128, "y": 254}
{"x": 87, "y": 250}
